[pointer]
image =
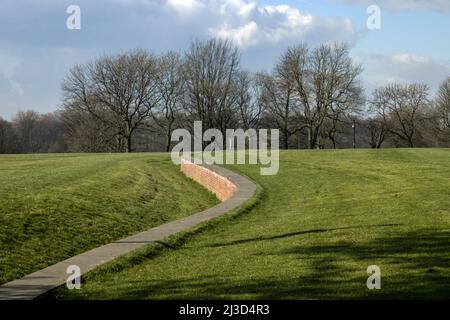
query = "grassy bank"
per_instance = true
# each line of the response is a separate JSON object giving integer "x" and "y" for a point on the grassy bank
{"x": 321, "y": 222}
{"x": 53, "y": 207}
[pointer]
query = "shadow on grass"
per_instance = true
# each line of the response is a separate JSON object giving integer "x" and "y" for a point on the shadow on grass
{"x": 299, "y": 233}
{"x": 414, "y": 265}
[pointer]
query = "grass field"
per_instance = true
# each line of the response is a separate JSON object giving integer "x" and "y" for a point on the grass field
{"x": 53, "y": 207}
{"x": 319, "y": 224}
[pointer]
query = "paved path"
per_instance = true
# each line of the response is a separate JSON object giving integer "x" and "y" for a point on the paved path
{"x": 38, "y": 283}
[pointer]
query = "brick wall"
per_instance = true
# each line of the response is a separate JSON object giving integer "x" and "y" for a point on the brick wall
{"x": 220, "y": 186}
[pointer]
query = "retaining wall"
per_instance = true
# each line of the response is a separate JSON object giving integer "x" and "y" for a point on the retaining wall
{"x": 220, "y": 186}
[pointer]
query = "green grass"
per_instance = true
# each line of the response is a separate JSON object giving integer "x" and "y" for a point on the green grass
{"x": 318, "y": 225}
{"x": 53, "y": 207}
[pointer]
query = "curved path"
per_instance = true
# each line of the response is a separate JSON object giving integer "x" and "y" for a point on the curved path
{"x": 38, "y": 283}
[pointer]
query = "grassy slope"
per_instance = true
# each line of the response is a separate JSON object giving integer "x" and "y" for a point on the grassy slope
{"x": 55, "y": 206}
{"x": 322, "y": 221}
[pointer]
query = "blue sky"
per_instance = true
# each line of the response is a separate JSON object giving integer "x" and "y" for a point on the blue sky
{"x": 37, "y": 50}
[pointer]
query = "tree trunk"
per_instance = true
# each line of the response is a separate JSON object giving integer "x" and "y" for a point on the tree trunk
{"x": 310, "y": 138}
{"x": 286, "y": 139}
{"x": 129, "y": 147}
{"x": 333, "y": 141}
{"x": 168, "y": 139}
{"x": 313, "y": 140}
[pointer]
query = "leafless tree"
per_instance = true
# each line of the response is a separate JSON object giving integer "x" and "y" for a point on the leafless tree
{"x": 249, "y": 104}
{"x": 85, "y": 133}
{"x": 405, "y": 106}
{"x": 211, "y": 72}
{"x": 443, "y": 105}
{"x": 340, "y": 117}
{"x": 170, "y": 84}
{"x": 8, "y": 138}
{"x": 378, "y": 124}
{"x": 134, "y": 101}
{"x": 321, "y": 78}
{"x": 38, "y": 133}
{"x": 376, "y": 131}
{"x": 119, "y": 91}
{"x": 27, "y": 128}
{"x": 277, "y": 98}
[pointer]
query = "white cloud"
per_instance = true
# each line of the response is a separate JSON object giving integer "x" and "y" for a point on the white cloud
{"x": 407, "y": 58}
{"x": 380, "y": 70}
{"x": 248, "y": 23}
{"x": 242, "y": 36}
{"x": 185, "y": 6}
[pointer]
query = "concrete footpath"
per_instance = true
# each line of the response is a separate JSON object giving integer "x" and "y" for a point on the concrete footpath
{"x": 38, "y": 283}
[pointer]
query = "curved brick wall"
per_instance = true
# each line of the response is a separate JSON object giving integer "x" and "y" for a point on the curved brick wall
{"x": 220, "y": 186}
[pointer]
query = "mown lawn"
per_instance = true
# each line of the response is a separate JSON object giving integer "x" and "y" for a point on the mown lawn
{"x": 53, "y": 207}
{"x": 320, "y": 223}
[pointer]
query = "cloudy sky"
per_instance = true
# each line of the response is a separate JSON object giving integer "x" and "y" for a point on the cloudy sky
{"x": 37, "y": 49}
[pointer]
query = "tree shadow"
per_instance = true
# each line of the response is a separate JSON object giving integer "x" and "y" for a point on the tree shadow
{"x": 299, "y": 233}
{"x": 414, "y": 265}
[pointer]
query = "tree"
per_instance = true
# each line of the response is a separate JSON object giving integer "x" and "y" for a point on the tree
{"x": 322, "y": 79}
{"x": 170, "y": 85}
{"x": 339, "y": 118}
{"x": 376, "y": 131}
{"x": 26, "y": 125}
{"x": 277, "y": 99}
{"x": 405, "y": 106}
{"x": 8, "y": 138}
{"x": 211, "y": 72}
{"x": 249, "y": 100}
{"x": 38, "y": 133}
{"x": 85, "y": 133}
{"x": 443, "y": 105}
{"x": 119, "y": 91}
{"x": 377, "y": 125}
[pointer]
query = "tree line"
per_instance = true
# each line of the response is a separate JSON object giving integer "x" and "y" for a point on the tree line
{"x": 134, "y": 101}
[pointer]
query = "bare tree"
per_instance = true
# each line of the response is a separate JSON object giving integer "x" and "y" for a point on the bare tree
{"x": 378, "y": 124}
{"x": 376, "y": 131}
{"x": 211, "y": 73}
{"x": 170, "y": 85}
{"x": 277, "y": 97}
{"x": 443, "y": 105}
{"x": 333, "y": 126}
{"x": 340, "y": 116}
{"x": 85, "y": 133}
{"x": 8, "y": 138}
{"x": 27, "y": 127}
{"x": 405, "y": 106}
{"x": 249, "y": 103}
{"x": 119, "y": 91}
{"x": 38, "y": 133}
{"x": 321, "y": 78}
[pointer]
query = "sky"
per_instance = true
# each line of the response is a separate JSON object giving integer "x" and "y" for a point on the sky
{"x": 37, "y": 49}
